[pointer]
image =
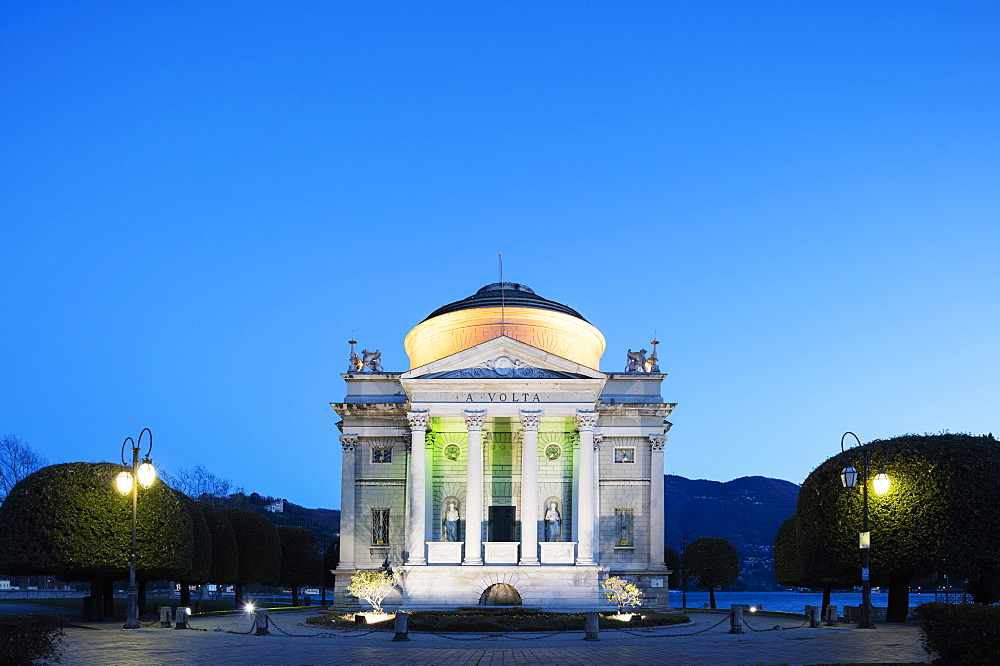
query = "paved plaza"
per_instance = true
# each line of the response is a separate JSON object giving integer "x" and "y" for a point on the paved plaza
{"x": 210, "y": 642}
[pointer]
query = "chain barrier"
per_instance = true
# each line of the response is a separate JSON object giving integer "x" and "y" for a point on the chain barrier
{"x": 774, "y": 628}
{"x": 324, "y": 634}
{"x": 488, "y": 636}
{"x": 693, "y": 633}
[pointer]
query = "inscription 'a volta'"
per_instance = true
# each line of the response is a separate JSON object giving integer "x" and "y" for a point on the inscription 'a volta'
{"x": 505, "y": 397}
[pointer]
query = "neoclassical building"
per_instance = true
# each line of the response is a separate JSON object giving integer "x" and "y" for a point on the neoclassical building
{"x": 504, "y": 466}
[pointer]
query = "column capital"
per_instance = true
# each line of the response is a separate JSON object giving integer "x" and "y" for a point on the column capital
{"x": 586, "y": 419}
{"x": 349, "y": 442}
{"x": 475, "y": 418}
{"x": 656, "y": 442}
{"x": 530, "y": 418}
{"x": 418, "y": 419}
{"x": 597, "y": 441}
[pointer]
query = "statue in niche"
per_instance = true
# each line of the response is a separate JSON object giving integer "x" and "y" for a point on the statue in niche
{"x": 636, "y": 361}
{"x": 451, "y": 518}
{"x": 553, "y": 523}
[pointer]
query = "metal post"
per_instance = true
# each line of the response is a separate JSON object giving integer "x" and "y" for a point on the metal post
{"x": 132, "y": 612}
{"x": 831, "y": 616}
{"x": 592, "y": 628}
{"x": 401, "y": 626}
{"x": 736, "y": 619}
{"x": 260, "y": 622}
{"x": 866, "y": 583}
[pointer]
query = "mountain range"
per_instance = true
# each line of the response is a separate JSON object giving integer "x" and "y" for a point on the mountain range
{"x": 747, "y": 511}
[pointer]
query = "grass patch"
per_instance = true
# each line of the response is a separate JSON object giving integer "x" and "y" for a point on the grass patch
{"x": 513, "y": 620}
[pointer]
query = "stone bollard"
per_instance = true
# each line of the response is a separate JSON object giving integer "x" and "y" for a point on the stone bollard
{"x": 592, "y": 629}
{"x": 260, "y": 622}
{"x": 813, "y": 613}
{"x": 402, "y": 623}
{"x": 736, "y": 619}
{"x": 165, "y": 616}
{"x": 181, "y": 619}
{"x": 831, "y": 616}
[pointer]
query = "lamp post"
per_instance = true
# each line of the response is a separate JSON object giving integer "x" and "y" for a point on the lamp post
{"x": 680, "y": 562}
{"x": 146, "y": 474}
{"x": 850, "y": 478}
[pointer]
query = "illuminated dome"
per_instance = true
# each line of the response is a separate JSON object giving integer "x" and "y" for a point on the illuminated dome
{"x": 509, "y": 309}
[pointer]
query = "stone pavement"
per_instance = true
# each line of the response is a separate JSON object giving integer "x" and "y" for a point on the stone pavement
{"x": 210, "y": 643}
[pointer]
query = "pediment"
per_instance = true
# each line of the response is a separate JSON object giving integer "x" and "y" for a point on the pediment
{"x": 503, "y": 358}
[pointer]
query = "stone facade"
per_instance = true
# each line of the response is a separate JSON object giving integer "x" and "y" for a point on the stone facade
{"x": 503, "y": 464}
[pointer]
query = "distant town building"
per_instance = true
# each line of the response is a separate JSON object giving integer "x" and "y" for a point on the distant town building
{"x": 503, "y": 467}
{"x": 276, "y": 507}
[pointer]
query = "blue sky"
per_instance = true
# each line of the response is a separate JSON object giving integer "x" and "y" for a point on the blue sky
{"x": 200, "y": 201}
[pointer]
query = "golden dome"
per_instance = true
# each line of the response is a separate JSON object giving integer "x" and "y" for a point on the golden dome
{"x": 508, "y": 309}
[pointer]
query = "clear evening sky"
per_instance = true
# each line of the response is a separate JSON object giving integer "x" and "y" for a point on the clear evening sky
{"x": 200, "y": 201}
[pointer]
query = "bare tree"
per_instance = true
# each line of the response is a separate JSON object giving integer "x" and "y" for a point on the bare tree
{"x": 17, "y": 460}
{"x": 200, "y": 484}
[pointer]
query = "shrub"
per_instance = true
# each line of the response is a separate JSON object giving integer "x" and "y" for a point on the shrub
{"x": 372, "y": 586}
{"x": 959, "y": 633}
{"x": 25, "y": 639}
{"x": 621, "y": 592}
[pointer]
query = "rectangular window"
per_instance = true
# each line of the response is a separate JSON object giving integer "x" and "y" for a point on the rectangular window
{"x": 380, "y": 527}
{"x": 625, "y": 454}
{"x": 382, "y": 454}
{"x": 623, "y": 527}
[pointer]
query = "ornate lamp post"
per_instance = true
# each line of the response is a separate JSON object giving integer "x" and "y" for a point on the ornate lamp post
{"x": 850, "y": 478}
{"x": 680, "y": 562}
{"x": 146, "y": 474}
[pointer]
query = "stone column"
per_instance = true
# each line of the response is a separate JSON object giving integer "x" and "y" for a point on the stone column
{"x": 656, "y": 515}
{"x": 474, "y": 420}
{"x": 348, "y": 476}
{"x": 416, "y": 534}
{"x": 530, "y": 419}
{"x": 585, "y": 421}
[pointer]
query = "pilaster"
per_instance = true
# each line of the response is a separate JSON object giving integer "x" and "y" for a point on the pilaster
{"x": 348, "y": 477}
{"x": 656, "y": 515}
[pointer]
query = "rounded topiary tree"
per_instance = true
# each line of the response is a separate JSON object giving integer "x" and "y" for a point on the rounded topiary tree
{"x": 259, "y": 549}
{"x": 225, "y": 556}
{"x": 201, "y": 556}
{"x": 713, "y": 562}
{"x": 70, "y": 520}
{"x": 673, "y": 562}
{"x": 786, "y": 562}
{"x": 300, "y": 561}
{"x": 941, "y": 514}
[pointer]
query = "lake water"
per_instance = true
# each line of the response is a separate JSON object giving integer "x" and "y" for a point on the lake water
{"x": 789, "y": 602}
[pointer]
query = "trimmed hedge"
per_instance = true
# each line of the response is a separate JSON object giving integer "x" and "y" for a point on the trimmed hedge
{"x": 70, "y": 520}
{"x": 959, "y": 633}
{"x": 25, "y": 639}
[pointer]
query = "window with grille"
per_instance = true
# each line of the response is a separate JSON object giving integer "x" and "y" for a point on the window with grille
{"x": 382, "y": 454}
{"x": 625, "y": 454}
{"x": 623, "y": 527}
{"x": 380, "y": 527}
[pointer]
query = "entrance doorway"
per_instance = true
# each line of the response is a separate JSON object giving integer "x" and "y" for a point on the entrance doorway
{"x": 501, "y": 524}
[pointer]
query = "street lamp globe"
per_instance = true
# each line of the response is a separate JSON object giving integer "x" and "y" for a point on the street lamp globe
{"x": 881, "y": 483}
{"x": 124, "y": 482}
{"x": 849, "y": 477}
{"x": 146, "y": 473}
